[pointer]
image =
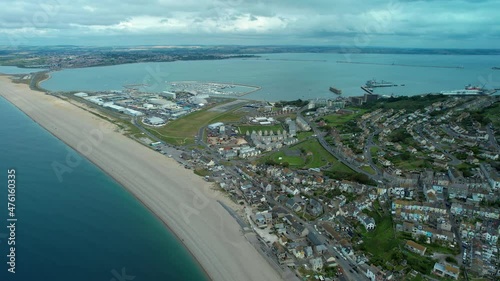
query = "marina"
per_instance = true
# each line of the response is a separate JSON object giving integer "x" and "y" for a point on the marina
{"x": 212, "y": 88}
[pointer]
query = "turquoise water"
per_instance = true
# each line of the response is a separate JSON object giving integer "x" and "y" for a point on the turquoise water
{"x": 17, "y": 70}
{"x": 292, "y": 76}
{"x": 86, "y": 227}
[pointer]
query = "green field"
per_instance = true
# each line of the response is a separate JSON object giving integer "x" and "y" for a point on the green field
{"x": 304, "y": 135}
{"x": 310, "y": 155}
{"x": 294, "y": 161}
{"x": 381, "y": 242}
{"x": 368, "y": 169}
{"x": 387, "y": 248}
{"x": 183, "y": 130}
{"x": 336, "y": 120}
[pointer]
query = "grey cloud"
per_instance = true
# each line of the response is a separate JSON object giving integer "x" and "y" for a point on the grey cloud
{"x": 256, "y": 21}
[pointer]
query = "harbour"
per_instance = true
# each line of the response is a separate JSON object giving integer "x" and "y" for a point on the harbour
{"x": 289, "y": 80}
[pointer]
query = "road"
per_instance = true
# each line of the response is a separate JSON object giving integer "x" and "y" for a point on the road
{"x": 345, "y": 160}
{"x": 368, "y": 154}
{"x": 454, "y": 161}
{"x": 492, "y": 139}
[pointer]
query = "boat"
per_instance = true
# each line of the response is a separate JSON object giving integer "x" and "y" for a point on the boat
{"x": 376, "y": 84}
{"x": 335, "y": 90}
{"x": 470, "y": 87}
{"x": 468, "y": 90}
{"x": 462, "y": 93}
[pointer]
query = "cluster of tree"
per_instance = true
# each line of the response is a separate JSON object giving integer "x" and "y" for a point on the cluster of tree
{"x": 480, "y": 117}
{"x": 352, "y": 176}
{"x": 400, "y": 136}
{"x": 410, "y": 103}
{"x": 272, "y": 162}
{"x": 298, "y": 103}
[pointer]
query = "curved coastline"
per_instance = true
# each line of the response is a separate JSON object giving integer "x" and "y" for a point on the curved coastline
{"x": 201, "y": 252}
{"x": 165, "y": 223}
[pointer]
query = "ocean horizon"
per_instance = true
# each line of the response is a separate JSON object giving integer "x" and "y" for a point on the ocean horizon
{"x": 83, "y": 225}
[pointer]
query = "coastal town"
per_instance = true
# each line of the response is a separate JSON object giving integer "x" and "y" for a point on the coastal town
{"x": 348, "y": 188}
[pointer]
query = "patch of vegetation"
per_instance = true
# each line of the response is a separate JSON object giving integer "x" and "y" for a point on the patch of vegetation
{"x": 298, "y": 103}
{"x": 304, "y": 135}
{"x": 350, "y": 176}
{"x": 279, "y": 158}
{"x": 411, "y": 104}
{"x": 420, "y": 263}
{"x": 368, "y": 169}
{"x": 183, "y": 130}
{"x": 381, "y": 242}
{"x": 202, "y": 172}
{"x": 451, "y": 259}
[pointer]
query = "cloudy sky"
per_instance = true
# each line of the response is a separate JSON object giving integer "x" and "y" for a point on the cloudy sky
{"x": 367, "y": 23}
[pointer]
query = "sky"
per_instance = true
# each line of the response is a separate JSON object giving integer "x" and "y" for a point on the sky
{"x": 350, "y": 23}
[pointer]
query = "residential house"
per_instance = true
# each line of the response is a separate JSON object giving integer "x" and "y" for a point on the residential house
{"x": 315, "y": 208}
{"x": 415, "y": 247}
{"x": 446, "y": 270}
{"x": 293, "y": 205}
{"x": 280, "y": 252}
{"x": 316, "y": 264}
{"x": 366, "y": 221}
{"x": 374, "y": 273}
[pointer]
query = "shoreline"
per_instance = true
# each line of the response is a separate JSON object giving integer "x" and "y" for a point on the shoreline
{"x": 169, "y": 229}
{"x": 201, "y": 251}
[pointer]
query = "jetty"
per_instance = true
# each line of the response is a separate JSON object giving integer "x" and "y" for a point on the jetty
{"x": 336, "y": 90}
{"x": 366, "y": 89}
{"x": 400, "y": 64}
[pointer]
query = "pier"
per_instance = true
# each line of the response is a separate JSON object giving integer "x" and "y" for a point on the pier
{"x": 367, "y": 90}
{"x": 400, "y": 64}
{"x": 289, "y": 60}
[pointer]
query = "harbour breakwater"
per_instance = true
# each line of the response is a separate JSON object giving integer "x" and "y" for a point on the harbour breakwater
{"x": 400, "y": 64}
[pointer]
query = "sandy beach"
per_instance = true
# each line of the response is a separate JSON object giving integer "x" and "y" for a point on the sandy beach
{"x": 183, "y": 201}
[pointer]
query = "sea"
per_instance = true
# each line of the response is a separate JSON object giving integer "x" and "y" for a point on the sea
{"x": 290, "y": 76}
{"x": 84, "y": 227}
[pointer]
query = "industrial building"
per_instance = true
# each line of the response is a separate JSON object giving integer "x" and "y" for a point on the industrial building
{"x": 155, "y": 121}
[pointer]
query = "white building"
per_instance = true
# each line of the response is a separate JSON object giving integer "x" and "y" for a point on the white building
{"x": 168, "y": 94}
{"x": 155, "y": 121}
{"x": 214, "y": 126}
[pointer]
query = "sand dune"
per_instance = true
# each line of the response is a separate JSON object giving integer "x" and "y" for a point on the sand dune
{"x": 179, "y": 198}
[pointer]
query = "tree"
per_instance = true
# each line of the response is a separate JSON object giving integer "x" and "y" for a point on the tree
{"x": 422, "y": 239}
